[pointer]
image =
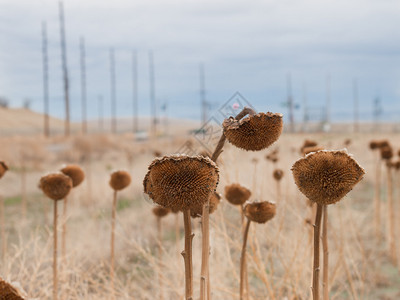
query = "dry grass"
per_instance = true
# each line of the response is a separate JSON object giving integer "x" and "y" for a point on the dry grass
{"x": 279, "y": 255}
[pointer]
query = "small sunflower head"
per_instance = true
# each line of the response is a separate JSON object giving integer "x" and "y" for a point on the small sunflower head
{"x": 237, "y": 194}
{"x": 56, "y": 186}
{"x": 278, "y": 174}
{"x": 325, "y": 177}
{"x": 180, "y": 182}
{"x": 308, "y": 150}
{"x": 254, "y": 132}
{"x": 386, "y": 152}
{"x": 3, "y": 168}
{"x": 160, "y": 211}
{"x": 197, "y": 211}
{"x": 347, "y": 142}
{"x": 260, "y": 212}
{"x": 120, "y": 180}
{"x": 373, "y": 145}
{"x": 75, "y": 172}
{"x": 306, "y": 144}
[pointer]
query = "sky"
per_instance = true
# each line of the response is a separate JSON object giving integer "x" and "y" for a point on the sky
{"x": 246, "y": 46}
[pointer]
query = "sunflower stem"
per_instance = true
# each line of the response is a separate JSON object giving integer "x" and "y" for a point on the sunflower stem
{"x": 243, "y": 265}
{"x": 316, "y": 268}
{"x": 187, "y": 255}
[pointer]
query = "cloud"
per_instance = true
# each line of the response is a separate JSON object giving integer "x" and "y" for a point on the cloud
{"x": 246, "y": 46}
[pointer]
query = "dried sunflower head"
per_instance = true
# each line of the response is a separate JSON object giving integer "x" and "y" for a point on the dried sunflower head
{"x": 120, "y": 180}
{"x": 75, "y": 172}
{"x": 160, "y": 211}
{"x": 325, "y": 177}
{"x": 8, "y": 292}
{"x": 180, "y": 182}
{"x": 197, "y": 211}
{"x": 56, "y": 186}
{"x": 308, "y": 150}
{"x": 306, "y": 144}
{"x": 373, "y": 145}
{"x": 278, "y": 174}
{"x": 255, "y": 132}
{"x": 260, "y": 212}
{"x": 3, "y": 168}
{"x": 386, "y": 152}
{"x": 237, "y": 194}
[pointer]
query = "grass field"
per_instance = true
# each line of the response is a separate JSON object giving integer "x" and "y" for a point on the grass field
{"x": 279, "y": 252}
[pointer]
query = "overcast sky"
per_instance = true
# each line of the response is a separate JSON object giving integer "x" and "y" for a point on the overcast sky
{"x": 246, "y": 46}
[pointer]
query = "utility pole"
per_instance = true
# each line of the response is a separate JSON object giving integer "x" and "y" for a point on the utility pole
{"x": 113, "y": 93}
{"x": 290, "y": 103}
{"x": 64, "y": 68}
{"x": 101, "y": 114}
{"x": 306, "y": 116}
{"x": 152, "y": 95}
{"x": 203, "y": 95}
{"x": 135, "y": 91}
{"x": 83, "y": 84}
{"x": 45, "y": 80}
{"x": 355, "y": 98}
{"x": 328, "y": 101}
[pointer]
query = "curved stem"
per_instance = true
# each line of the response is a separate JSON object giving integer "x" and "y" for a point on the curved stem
{"x": 55, "y": 279}
{"x": 243, "y": 265}
{"x": 316, "y": 269}
{"x": 221, "y": 142}
{"x": 325, "y": 282}
{"x": 187, "y": 255}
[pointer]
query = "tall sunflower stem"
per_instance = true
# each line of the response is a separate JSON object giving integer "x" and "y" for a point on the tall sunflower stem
{"x": 316, "y": 267}
{"x": 187, "y": 255}
{"x": 325, "y": 281}
{"x": 243, "y": 264}
{"x": 205, "y": 251}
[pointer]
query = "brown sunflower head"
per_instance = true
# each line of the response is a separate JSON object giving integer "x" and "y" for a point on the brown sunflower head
{"x": 397, "y": 165}
{"x": 180, "y": 182}
{"x": 260, "y": 212}
{"x": 308, "y": 150}
{"x": 197, "y": 211}
{"x": 347, "y": 142}
{"x": 386, "y": 152}
{"x": 278, "y": 174}
{"x": 237, "y": 194}
{"x": 254, "y": 132}
{"x": 120, "y": 180}
{"x": 325, "y": 177}
{"x": 373, "y": 145}
{"x": 8, "y": 292}
{"x": 160, "y": 211}
{"x": 56, "y": 186}
{"x": 3, "y": 168}
{"x": 75, "y": 172}
{"x": 306, "y": 144}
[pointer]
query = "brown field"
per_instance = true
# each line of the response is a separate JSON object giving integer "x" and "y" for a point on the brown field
{"x": 279, "y": 252}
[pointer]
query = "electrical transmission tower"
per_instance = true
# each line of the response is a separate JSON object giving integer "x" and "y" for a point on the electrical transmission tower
{"x": 45, "y": 80}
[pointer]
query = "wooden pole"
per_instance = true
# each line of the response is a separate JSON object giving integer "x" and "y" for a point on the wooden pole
{"x": 135, "y": 91}
{"x": 46, "y": 128}
{"x": 152, "y": 95}
{"x": 83, "y": 84}
{"x": 64, "y": 68}
{"x": 113, "y": 93}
